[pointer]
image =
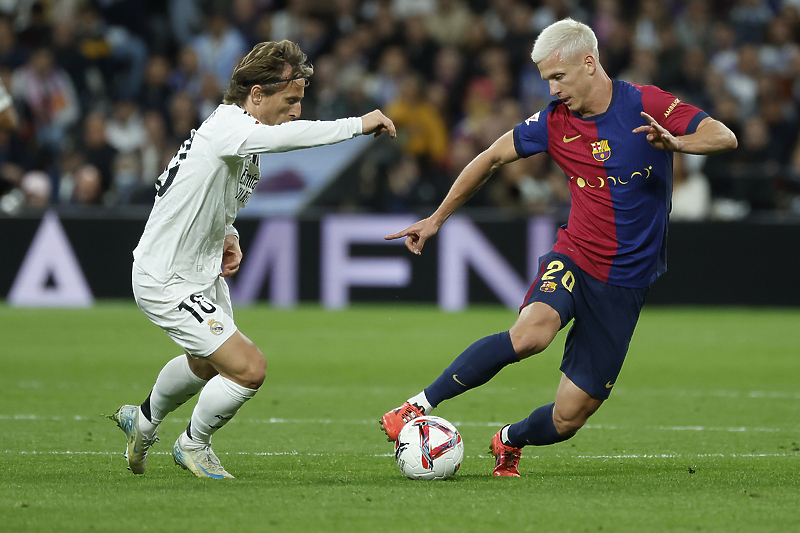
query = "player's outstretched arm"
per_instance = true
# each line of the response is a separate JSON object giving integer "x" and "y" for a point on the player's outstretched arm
{"x": 376, "y": 123}
{"x": 711, "y": 137}
{"x": 468, "y": 182}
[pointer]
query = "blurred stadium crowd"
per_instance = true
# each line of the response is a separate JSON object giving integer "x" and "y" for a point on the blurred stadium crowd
{"x": 106, "y": 90}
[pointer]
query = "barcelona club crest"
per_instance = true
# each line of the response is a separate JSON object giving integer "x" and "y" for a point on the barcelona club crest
{"x": 601, "y": 151}
{"x": 548, "y": 286}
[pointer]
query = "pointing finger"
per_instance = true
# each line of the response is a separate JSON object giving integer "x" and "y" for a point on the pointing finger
{"x": 653, "y": 123}
{"x": 397, "y": 235}
{"x": 648, "y": 118}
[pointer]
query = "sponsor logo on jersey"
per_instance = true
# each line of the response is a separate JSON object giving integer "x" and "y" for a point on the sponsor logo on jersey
{"x": 601, "y": 151}
{"x": 671, "y": 107}
{"x": 548, "y": 286}
{"x": 216, "y": 327}
{"x": 532, "y": 118}
{"x": 600, "y": 182}
{"x": 569, "y": 140}
{"x": 249, "y": 179}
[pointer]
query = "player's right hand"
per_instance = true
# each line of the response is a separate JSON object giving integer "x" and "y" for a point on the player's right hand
{"x": 657, "y": 135}
{"x": 231, "y": 256}
{"x": 376, "y": 123}
{"x": 416, "y": 235}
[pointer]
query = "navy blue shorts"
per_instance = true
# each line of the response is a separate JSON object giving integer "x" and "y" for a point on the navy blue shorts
{"x": 604, "y": 319}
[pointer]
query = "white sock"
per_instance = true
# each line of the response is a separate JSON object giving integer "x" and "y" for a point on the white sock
{"x": 176, "y": 384}
{"x": 420, "y": 400}
{"x": 220, "y": 399}
{"x": 504, "y": 434}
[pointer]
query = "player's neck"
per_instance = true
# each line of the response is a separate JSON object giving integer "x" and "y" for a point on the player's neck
{"x": 247, "y": 105}
{"x": 601, "y": 97}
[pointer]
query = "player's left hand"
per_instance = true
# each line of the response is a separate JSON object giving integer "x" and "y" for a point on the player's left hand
{"x": 376, "y": 123}
{"x": 657, "y": 136}
{"x": 231, "y": 256}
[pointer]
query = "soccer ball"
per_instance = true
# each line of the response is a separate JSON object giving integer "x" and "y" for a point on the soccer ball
{"x": 429, "y": 447}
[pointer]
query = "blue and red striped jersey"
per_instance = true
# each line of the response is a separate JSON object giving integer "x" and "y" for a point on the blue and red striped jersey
{"x": 621, "y": 187}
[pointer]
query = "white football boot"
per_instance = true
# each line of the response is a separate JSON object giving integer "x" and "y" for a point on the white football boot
{"x": 127, "y": 418}
{"x": 200, "y": 460}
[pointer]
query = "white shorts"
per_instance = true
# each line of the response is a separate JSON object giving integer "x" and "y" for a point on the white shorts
{"x": 199, "y": 318}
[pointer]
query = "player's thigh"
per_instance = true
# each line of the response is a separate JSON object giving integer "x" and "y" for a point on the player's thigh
{"x": 535, "y": 328}
{"x": 239, "y": 360}
{"x": 573, "y": 406}
{"x": 197, "y": 317}
{"x": 549, "y": 305}
{"x": 597, "y": 343}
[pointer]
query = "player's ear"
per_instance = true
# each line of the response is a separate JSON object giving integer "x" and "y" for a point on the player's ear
{"x": 591, "y": 64}
{"x": 256, "y": 94}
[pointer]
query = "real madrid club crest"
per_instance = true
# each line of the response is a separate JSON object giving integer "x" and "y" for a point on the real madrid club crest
{"x": 216, "y": 326}
{"x": 600, "y": 150}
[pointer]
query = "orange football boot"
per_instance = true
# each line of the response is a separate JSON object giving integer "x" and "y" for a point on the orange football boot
{"x": 506, "y": 458}
{"x": 393, "y": 421}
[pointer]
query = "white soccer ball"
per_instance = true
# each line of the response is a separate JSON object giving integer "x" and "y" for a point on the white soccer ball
{"x": 429, "y": 447}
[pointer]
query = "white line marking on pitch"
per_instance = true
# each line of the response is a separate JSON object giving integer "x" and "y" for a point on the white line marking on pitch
{"x": 324, "y": 421}
{"x": 582, "y": 456}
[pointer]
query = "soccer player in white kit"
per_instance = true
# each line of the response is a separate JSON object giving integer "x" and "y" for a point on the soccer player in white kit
{"x": 189, "y": 246}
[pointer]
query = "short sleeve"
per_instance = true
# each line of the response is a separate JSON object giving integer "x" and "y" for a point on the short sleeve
{"x": 530, "y": 136}
{"x": 679, "y": 118}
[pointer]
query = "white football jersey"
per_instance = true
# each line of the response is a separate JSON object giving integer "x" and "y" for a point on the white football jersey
{"x": 209, "y": 180}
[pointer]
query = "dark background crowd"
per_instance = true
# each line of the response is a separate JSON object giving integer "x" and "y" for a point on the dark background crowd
{"x": 106, "y": 90}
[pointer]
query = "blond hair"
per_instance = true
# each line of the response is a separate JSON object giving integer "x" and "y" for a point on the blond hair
{"x": 567, "y": 37}
{"x": 265, "y": 66}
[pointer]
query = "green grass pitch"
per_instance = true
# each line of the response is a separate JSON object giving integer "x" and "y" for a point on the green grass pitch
{"x": 702, "y": 432}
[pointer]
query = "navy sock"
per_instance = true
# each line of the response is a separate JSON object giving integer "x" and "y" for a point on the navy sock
{"x": 146, "y": 407}
{"x": 476, "y": 365}
{"x": 538, "y": 429}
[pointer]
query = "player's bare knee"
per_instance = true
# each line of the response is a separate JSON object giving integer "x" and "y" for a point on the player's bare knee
{"x": 260, "y": 373}
{"x": 256, "y": 371}
{"x": 535, "y": 329}
{"x": 567, "y": 426}
{"x": 528, "y": 341}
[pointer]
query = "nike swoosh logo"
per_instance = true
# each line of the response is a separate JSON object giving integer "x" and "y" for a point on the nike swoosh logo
{"x": 570, "y": 139}
{"x": 609, "y": 385}
{"x": 455, "y": 378}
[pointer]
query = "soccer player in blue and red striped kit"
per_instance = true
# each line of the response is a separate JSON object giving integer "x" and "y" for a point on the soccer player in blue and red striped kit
{"x": 614, "y": 140}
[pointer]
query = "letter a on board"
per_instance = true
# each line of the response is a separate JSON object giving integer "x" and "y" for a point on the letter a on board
{"x": 50, "y": 275}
